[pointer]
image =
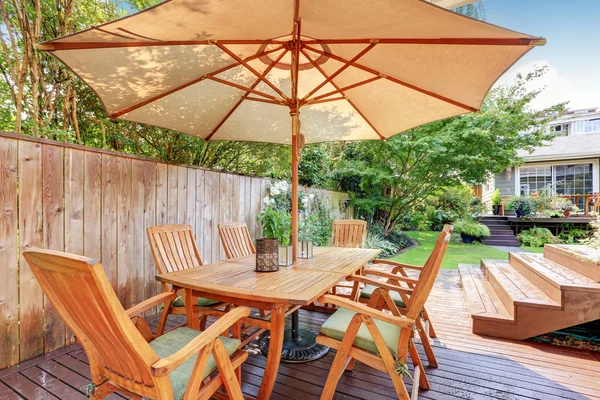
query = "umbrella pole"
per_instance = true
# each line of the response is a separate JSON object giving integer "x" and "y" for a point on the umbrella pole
{"x": 295, "y": 155}
{"x": 299, "y": 345}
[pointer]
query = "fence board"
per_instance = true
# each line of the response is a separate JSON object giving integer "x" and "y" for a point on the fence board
{"x": 31, "y": 222}
{"x": 137, "y": 281}
{"x": 199, "y": 228}
{"x": 54, "y": 233}
{"x": 216, "y": 220}
{"x": 150, "y": 205}
{"x": 172, "y": 175}
{"x": 208, "y": 216}
{"x": 110, "y": 192}
{"x": 9, "y": 267}
{"x": 92, "y": 202}
{"x": 125, "y": 273}
{"x": 74, "y": 188}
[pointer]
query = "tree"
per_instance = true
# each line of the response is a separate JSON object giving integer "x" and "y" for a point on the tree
{"x": 398, "y": 174}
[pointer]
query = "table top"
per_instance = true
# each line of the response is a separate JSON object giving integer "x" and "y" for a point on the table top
{"x": 300, "y": 284}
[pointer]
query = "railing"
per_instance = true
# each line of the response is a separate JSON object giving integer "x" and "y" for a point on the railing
{"x": 591, "y": 202}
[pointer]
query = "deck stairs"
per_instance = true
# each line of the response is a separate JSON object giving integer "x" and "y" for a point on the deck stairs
{"x": 501, "y": 232}
{"x": 533, "y": 294}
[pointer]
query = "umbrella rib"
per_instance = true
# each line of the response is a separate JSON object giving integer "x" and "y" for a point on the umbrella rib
{"x": 192, "y": 82}
{"x": 318, "y": 67}
{"x": 395, "y": 80}
{"x": 245, "y": 96}
{"x": 340, "y": 70}
{"x": 440, "y": 41}
{"x": 48, "y": 46}
{"x": 248, "y": 67}
{"x": 317, "y": 99}
{"x": 242, "y": 87}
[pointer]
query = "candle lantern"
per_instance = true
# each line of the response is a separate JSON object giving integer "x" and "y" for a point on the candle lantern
{"x": 267, "y": 255}
{"x": 306, "y": 249}
{"x": 285, "y": 255}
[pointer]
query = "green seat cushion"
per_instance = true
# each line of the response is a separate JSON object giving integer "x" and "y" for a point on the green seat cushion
{"x": 202, "y": 302}
{"x": 336, "y": 325}
{"x": 175, "y": 340}
{"x": 368, "y": 290}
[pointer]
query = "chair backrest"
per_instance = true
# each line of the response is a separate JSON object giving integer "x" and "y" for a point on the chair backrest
{"x": 236, "y": 240}
{"x": 348, "y": 233}
{"x": 79, "y": 291}
{"x": 428, "y": 274}
{"x": 173, "y": 248}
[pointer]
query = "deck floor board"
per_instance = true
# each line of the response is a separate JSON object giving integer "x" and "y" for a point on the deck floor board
{"x": 471, "y": 367}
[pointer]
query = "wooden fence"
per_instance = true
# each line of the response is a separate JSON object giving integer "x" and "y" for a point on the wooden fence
{"x": 99, "y": 203}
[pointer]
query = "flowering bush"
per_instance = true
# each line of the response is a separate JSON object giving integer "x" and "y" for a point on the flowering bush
{"x": 316, "y": 215}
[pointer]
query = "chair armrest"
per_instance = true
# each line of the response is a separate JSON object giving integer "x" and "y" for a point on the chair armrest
{"x": 382, "y": 285}
{"x": 166, "y": 365}
{"x": 400, "y": 321}
{"x": 397, "y": 265}
{"x": 389, "y": 276}
{"x": 151, "y": 302}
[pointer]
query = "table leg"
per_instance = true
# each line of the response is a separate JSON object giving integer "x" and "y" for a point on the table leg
{"x": 275, "y": 348}
{"x": 191, "y": 315}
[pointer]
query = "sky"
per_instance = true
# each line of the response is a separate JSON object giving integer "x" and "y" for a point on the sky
{"x": 572, "y": 52}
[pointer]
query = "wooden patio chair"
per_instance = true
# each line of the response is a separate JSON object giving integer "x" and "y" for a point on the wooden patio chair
{"x": 124, "y": 356}
{"x": 236, "y": 240}
{"x": 348, "y": 233}
{"x": 174, "y": 249}
{"x": 377, "y": 338}
{"x": 397, "y": 276}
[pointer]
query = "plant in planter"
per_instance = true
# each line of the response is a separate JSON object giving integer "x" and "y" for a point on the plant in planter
{"x": 277, "y": 224}
{"x": 469, "y": 230}
{"x": 524, "y": 206}
{"x": 496, "y": 202}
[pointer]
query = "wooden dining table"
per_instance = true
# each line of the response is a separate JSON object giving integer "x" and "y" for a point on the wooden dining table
{"x": 236, "y": 282}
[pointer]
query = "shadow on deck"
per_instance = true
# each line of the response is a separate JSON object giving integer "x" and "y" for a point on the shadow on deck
{"x": 471, "y": 367}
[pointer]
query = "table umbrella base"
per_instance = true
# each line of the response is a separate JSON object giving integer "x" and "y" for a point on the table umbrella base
{"x": 300, "y": 350}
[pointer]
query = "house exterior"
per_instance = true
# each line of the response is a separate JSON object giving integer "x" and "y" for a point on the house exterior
{"x": 568, "y": 164}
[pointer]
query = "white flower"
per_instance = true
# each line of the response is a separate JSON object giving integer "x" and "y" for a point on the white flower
{"x": 275, "y": 190}
{"x": 267, "y": 200}
{"x": 305, "y": 200}
{"x": 284, "y": 186}
{"x": 311, "y": 196}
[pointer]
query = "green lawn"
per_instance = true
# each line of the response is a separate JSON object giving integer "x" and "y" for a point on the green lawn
{"x": 457, "y": 253}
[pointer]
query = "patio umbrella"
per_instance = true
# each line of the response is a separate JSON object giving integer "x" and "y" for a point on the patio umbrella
{"x": 245, "y": 70}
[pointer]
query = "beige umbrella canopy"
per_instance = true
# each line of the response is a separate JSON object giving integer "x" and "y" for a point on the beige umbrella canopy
{"x": 237, "y": 69}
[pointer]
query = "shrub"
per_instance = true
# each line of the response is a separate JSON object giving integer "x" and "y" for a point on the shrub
{"x": 536, "y": 237}
{"x": 315, "y": 222}
{"x": 524, "y": 206}
{"x": 378, "y": 241}
{"x": 496, "y": 197}
{"x": 398, "y": 238}
{"x": 470, "y": 227}
{"x": 574, "y": 235}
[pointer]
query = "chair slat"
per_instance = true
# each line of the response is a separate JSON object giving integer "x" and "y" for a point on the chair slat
{"x": 348, "y": 233}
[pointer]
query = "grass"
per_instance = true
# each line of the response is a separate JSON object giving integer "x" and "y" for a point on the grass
{"x": 457, "y": 253}
{"x": 533, "y": 249}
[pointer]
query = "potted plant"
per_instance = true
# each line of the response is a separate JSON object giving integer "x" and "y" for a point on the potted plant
{"x": 469, "y": 230}
{"x": 524, "y": 206}
{"x": 496, "y": 202}
{"x": 277, "y": 224}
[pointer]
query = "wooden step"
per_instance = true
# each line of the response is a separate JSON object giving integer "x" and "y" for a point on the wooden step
{"x": 501, "y": 242}
{"x": 514, "y": 289}
{"x": 551, "y": 277}
{"x": 581, "y": 259}
{"x": 482, "y": 301}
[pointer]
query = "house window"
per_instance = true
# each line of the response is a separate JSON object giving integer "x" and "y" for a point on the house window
{"x": 563, "y": 179}
{"x": 590, "y": 126}
{"x": 534, "y": 179}
{"x": 574, "y": 179}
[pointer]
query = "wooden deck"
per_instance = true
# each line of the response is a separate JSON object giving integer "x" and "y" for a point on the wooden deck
{"x": 471, "y": 367}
